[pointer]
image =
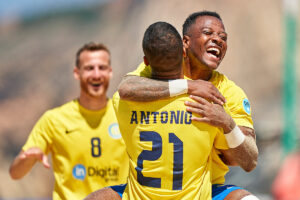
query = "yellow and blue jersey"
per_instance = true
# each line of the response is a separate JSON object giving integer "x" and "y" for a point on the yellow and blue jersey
{"x": 169, "y": 153}
{"x": 237, "y": 105}
{"x": 87, "y": 149}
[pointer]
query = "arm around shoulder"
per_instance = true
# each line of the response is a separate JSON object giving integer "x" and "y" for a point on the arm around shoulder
{"x": 136, "y": 88}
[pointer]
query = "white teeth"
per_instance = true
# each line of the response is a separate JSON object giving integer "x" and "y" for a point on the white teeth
{"x": 214, "y": 49}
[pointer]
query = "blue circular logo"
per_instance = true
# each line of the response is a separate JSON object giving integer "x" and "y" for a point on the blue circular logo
{"x": 246, "y": 105}
{"x": 114, "y": 131}
{"x": 79, "y": 172}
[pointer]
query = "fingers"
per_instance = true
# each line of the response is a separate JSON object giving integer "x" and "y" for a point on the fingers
{"x": 199, "y": 99}
{"x": 215, "y": 95}
{"x": 194, "y": 104}
{"x": 200, "y": 119}
{"x": 195, "y": 110}
{"x": 218, "y": 98}
{"x": 206, "y": 90}
{"x": 197, "y": 107}
{"x": 45, "y": 161}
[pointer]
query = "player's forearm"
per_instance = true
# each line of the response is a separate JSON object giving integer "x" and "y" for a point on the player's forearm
{"x": 245, "y": 155}
{"x": 136, "y": 88}
{"x": 21, "y": 166}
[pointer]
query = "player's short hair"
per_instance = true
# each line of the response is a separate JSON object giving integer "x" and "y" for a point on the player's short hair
{"x": 192, "y": 18}
{"x": 91, "y": 46}
{"x": 163, "y": 46}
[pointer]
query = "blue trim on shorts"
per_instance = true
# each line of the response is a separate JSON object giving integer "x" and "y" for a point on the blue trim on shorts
{"x": 219, "y": 192}
{"x": 119, "y": 189}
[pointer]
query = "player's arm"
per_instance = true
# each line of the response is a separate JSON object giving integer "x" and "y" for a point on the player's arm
{"x": 243, "y": 150}
{"x": 25, "y": 160}
{"x": 136, "y": 88}
{"x": 244, "y": 155}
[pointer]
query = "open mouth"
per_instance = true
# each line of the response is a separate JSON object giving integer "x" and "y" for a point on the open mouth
{"x": 214, "y": 52}
{"x": 96, "y": 84}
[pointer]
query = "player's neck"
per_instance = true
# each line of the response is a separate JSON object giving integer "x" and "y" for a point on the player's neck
{"x": 92, "y": 103}
{"x": 196, "y": 71}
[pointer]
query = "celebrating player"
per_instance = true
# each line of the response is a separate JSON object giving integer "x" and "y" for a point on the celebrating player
{"x": 205, "y": 41}
{"x": 82, "y": 135}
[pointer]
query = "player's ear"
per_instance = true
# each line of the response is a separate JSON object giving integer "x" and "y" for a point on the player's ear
{"x": 146, "y": 61}
{"x": 186, "y": 41}
{"x": 76, "y": 73}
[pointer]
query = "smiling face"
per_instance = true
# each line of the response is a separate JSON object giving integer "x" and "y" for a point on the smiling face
{"x": 206, "y": 42}
{"x": 94, "y": 72}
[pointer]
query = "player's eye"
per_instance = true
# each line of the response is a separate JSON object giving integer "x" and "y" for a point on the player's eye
{"x": 88, "y": 68}
{"x": 207, "y": 32}
{"x": 223, "y": 37}
{"x": 103, "y": 67}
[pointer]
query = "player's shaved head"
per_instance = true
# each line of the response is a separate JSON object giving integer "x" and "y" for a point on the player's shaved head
{"x": 163, "y": 48}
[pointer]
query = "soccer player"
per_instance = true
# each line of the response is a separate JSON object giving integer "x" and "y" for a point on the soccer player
{"x": 205, "y": 42}
{"x": 170, "y": 156}
{"x": 82, "y": 135}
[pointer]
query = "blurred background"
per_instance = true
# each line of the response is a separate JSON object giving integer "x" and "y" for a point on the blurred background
{"x": 39, "y": 39}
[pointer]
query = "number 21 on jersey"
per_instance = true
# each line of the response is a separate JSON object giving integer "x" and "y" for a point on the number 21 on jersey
{"x": 155, "y": 154}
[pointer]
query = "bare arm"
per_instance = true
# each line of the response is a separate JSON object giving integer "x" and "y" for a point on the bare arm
{"x": 136, "y": 88}
{"x": 245, "y": 155}
{"x": 25, "y": 160}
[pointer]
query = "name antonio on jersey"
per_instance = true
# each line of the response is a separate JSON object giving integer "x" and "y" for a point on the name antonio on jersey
{"x": 163, "y": 117}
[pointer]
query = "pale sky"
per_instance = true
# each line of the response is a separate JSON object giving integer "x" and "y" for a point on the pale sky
{"x": 16, "y": 9}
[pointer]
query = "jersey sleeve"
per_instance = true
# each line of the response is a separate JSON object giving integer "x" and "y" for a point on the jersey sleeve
{"x": 40, "y": 135}
{"x": 143, "y": 70}
{"x": 239, "y": 106}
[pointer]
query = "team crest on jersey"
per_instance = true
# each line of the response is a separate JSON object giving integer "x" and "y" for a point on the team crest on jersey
{"x": 114, "y": 131}
{"x": 246, "y": 105}
{"x": 79, "y": 172}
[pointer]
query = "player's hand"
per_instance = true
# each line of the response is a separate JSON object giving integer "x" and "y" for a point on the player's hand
{"x": 37, "y": 154}
{"x": 206, "y": 90}
{"x": 210, "y": 113}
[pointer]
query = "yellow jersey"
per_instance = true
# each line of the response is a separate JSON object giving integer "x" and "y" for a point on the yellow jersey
{"x": 169, "y": 154}
{"x": 87, "y": 149}
{"x": 237, "y": 105}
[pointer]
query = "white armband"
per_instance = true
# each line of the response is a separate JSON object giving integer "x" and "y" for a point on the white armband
{"x": 178, "y": 87}
{"x": 235, "y": 137}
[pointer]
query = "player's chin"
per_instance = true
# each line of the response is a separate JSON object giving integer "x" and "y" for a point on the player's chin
{"x": 212, "y": 64}
{"x": 96, "y": 93}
